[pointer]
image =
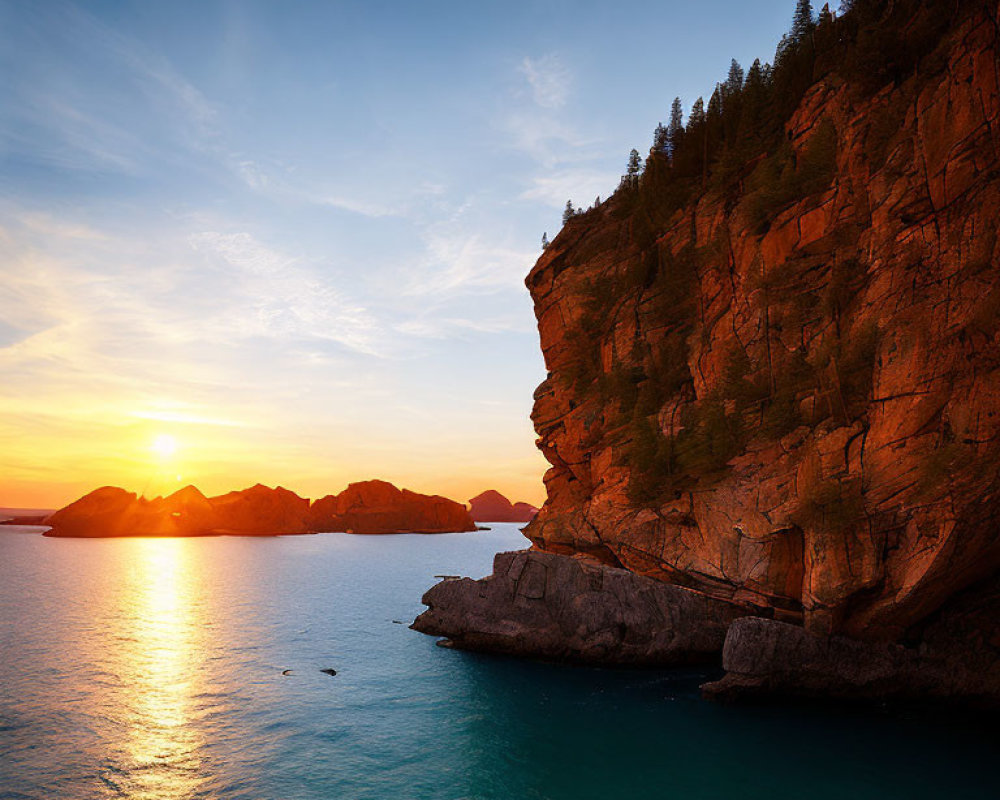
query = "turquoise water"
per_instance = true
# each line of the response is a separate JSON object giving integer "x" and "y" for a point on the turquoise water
{"x": 145, "y": 668}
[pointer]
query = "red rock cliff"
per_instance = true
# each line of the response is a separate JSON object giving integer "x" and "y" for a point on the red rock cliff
{"x": 793, "y": 399}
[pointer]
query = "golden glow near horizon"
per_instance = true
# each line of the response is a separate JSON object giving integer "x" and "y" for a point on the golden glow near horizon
{"x": 259, "y": 371}
{"x": 164, "y": 446}
{"x": 55, "y": 452}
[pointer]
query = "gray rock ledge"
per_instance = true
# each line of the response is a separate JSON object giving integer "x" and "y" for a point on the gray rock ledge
{"x": 763, "y": 658}
{"x": 555, "y": 607}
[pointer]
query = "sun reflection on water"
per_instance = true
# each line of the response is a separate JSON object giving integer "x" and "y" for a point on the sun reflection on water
{"x": 157, "y": 670}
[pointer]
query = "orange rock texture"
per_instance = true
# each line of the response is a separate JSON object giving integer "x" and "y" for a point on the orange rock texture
{"x": 801, "y": 412}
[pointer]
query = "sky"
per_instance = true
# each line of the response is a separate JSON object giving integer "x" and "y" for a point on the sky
{"x": 285, "y": 242}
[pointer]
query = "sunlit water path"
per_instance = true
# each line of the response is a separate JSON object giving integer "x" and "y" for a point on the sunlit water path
{"x": 145, "y": 668}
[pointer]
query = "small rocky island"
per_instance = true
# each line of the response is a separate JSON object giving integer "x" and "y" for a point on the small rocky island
{"x": 772, "y": 409}
{"x": 367, "y": 507}
{"x": 491, "y": 506}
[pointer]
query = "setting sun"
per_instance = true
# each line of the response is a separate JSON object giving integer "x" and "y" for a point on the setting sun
{"x": 164, "y": 446}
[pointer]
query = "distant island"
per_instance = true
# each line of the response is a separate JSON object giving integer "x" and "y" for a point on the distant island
{"x": 491, "y": 506}
{"x": 24, "y": 516}
{"x": 367, "y": 507}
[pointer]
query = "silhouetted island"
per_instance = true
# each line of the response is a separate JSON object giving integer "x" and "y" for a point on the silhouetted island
{"x": 368, "y": 507}
{"x": 491, "y": 506}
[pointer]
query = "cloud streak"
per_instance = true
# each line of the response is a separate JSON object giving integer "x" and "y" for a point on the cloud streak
{"x": 286, "y": 299}
{"x": 549, "y": 78}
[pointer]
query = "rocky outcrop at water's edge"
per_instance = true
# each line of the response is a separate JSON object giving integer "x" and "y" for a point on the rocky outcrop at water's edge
{"x": 559, "y": 608}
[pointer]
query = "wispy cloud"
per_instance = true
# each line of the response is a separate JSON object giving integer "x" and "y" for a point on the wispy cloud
{"x": 443, "y": 327}
{"x": 457, "y": 262}
{"x": 55, "y": 114}
{"x": 185, "y": 418}
{"x": 285, "y": 298}
{"x": 549, "y": 78}
{"x": 581, "y": 184}
{"x": 358, "y": 206}
{"x": 536, "y": 116}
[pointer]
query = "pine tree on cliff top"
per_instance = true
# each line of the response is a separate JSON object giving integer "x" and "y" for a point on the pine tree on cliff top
{"x": 697, "y": 113}
{"x": 634, "y": 166}
{"x": 676, "y": 127}
{"x": 661, "y": 143}
{"x": 734, "y": 81}
{"x": 802, "y": 22}
{"x": 568, "y": 212}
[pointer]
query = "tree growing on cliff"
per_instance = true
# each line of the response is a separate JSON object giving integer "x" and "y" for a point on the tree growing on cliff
{"x": 802, "y": 22}
{"x": 697, "y": 114}
{"x": 661, "y": 143}
{"x": 675, "y": 130}
{"x": 634, "y": 164}
{"x": 734, "y": 80}
{"x": 569, "y": 212}
{"x": 633, "y": 170}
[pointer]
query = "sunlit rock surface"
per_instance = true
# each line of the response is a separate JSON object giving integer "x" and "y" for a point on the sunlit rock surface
{"x": 873, "y": 509}
{"x": 799, "y": 407}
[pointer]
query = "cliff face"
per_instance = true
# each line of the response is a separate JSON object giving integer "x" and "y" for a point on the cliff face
{"x": 794, "y": 401}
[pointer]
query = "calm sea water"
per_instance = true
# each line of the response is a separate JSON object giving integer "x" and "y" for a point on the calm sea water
{"x": 153, "y": 668}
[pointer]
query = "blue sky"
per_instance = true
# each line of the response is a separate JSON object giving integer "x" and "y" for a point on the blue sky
{"x": 293, "y": 235}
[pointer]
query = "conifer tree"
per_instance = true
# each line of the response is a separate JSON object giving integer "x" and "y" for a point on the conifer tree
{"x": 825, "y": 36}
{"x": 568, "y": 212}
{"x": 715, "y": 104}
{"x": 734, "y": 81}
{"x": 781, "y": 51}
{"x": 754, "y": 99}
{"x": 802, "y": 22}
{"x": 634, "y": 165}
{"x": 660, "y": 139}
{"x": 697, "y": 114}
{"x": 675, "y": 130}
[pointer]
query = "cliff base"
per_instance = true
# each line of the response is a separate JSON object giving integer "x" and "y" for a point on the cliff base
{"x": 554, "y": 607}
